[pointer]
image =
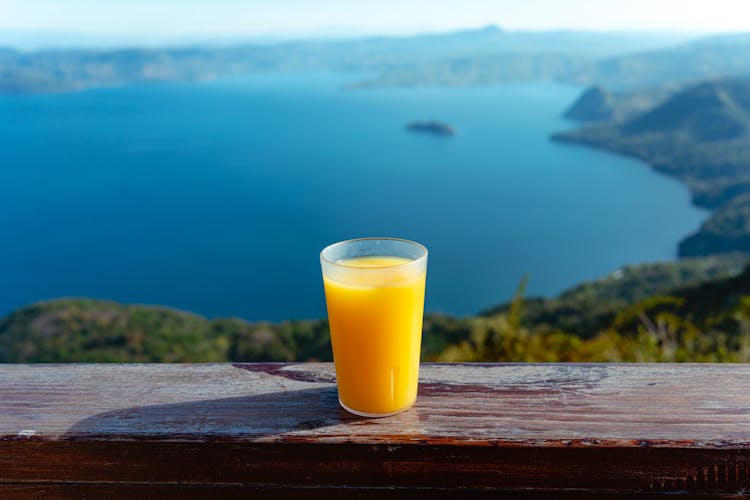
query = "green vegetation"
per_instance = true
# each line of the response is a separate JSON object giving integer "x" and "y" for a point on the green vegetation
{"x": 589, "y": 308}
{"x": 85, "y": 330}
{"x": 692, "y": 310}
{"x": 705, "y": 322}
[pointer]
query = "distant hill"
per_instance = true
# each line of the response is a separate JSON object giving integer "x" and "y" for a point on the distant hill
{"x": 708, "y": 112}
{"x": 638, "y": 68}
{"x": 600, "y": 104}
{"x": 595, "y": 104}
{"x": 486, "y": 55}
{"x": 711, "y": 57}
{"x": 701, "y": 135}
{"x": 488, "y": 68}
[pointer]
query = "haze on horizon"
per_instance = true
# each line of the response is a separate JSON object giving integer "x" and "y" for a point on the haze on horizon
{"x": 36, "y": 23}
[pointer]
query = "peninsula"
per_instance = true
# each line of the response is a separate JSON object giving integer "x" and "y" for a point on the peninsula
{"x": 699, "y": 134}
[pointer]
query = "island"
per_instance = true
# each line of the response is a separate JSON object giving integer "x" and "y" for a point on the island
{"x": 431, "y": 127}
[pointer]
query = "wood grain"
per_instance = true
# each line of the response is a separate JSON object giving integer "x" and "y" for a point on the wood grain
{"x": 597, "y": 430}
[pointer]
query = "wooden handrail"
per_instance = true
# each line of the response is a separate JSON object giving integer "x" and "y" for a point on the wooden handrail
{"x": 526, "y": 430}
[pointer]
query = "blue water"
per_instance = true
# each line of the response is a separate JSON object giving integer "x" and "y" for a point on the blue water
{"x": 218, "y": 197}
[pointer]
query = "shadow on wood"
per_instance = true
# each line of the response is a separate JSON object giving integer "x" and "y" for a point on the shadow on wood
{"x": 273, "y": 414}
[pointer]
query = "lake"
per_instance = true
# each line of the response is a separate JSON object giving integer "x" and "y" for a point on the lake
{"x": 218, "y": 197}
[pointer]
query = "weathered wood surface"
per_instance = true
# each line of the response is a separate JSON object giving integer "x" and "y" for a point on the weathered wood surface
{"x": 528, "y": 430}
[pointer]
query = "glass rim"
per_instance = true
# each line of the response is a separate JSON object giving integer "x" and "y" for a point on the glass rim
{"x": 410, "y": 262}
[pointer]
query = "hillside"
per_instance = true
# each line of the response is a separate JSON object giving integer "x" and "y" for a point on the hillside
{"x": 86, "y": 330}
{"x": 700, "y": 135}
{"x": 600, "y": 104}
{"x": 590, "y": 307}
{"x": 595, "y": 104}
{"x": 708, "y": 112}
{"x": 596, "y": 321}
{"x": 486, "y": 55}
{"x": 678, "y": 63}
{"x": 706, "y": 322}
{"x": 710, "y": 57}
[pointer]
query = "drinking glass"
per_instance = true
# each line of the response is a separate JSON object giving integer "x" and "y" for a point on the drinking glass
{"x": 374, "y": 290}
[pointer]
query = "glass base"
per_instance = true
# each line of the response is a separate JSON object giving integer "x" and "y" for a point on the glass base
{"x": 373, "y": 415}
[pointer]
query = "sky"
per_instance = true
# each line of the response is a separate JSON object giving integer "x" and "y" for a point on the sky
{"x": 294, "y": 18}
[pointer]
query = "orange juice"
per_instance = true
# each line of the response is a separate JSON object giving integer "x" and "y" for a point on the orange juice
{"x": 375, "y": 307}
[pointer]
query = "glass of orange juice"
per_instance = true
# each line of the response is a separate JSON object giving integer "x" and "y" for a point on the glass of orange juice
{"x": 374, "y": 291}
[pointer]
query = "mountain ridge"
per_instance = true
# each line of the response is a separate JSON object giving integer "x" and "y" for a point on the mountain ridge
{"x": 488, "y": 55}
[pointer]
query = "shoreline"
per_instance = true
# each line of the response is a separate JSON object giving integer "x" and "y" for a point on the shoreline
{"x": 563, "y": 138}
